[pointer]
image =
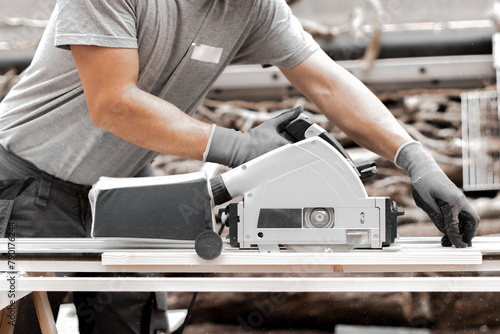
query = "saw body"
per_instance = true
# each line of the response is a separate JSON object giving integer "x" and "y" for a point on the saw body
{"x": 305, "y": 194}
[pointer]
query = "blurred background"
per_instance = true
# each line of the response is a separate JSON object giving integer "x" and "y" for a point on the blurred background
{"x": 433, "y": 63}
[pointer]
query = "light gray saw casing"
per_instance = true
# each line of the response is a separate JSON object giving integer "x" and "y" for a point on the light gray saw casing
{"x": 302, "y": 176}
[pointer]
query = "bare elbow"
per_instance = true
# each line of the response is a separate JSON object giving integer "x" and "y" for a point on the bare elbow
{"x": 107, "y": 110}
{"x": 104, "y": 115}
{"x": 96, "y": 116}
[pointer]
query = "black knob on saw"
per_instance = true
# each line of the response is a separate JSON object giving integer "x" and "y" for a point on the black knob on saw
{"x": 367, "y": 169}
{"x": 219, "y": 191}
{"x": 208, "y": 245}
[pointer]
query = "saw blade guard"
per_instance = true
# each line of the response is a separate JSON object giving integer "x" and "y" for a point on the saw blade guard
{"x": 303, "y": 128}
{"x": 305, "y": 193}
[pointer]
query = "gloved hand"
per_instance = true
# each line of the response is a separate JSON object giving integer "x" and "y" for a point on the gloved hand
{"x": 440, "y": 198}
{"x": 233, "y": 148}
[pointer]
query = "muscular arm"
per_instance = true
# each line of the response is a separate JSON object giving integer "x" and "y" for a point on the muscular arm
{"x": 116, "y": 104}
{"x": 349, "y": 104}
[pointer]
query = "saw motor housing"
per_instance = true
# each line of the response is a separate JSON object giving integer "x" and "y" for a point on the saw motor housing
{"x": 305, "y": 193}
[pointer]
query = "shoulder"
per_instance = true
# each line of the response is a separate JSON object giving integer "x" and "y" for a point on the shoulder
{"x": 270, "y": 12}
{"x": 273, "y": 6}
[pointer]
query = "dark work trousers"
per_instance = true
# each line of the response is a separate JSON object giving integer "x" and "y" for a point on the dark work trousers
{"x": 37, "y": 205}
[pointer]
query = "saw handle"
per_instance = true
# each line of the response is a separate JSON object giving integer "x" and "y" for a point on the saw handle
{"x": 298, "y": 130}
{"x": 302, "y": 128}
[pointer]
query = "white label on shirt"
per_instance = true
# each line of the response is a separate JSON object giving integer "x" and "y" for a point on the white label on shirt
{"x": 209, "y": 54}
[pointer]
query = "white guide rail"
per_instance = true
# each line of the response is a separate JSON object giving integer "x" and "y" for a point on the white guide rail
{"x": 480, "y": 263}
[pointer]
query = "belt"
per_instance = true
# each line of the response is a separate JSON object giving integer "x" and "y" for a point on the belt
{"x": 11, "y": 160}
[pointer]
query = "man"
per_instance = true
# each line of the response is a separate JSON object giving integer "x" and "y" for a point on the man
{"x": 114, "y": 82}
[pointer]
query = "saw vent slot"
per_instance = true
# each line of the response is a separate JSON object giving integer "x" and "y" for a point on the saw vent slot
{"x": 481, "y": 141}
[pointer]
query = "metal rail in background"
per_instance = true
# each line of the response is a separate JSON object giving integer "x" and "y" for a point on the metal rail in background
{"x": 467, "y": 71}
{"x": 481, "y": 133}
{"x": 481, "y": 141}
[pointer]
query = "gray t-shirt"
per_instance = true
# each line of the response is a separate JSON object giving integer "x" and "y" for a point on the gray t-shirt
{"x": 183, "y": 47}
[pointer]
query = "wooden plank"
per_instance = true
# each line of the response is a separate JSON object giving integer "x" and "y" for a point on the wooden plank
{"x": 8, "y": 315}
{"x": 446, "y": 256}
{"x": 44, "y": 312}
{"x": 96, "y": 266}
{"x": 486, "y": 266}
{"x": 261, "y": 284}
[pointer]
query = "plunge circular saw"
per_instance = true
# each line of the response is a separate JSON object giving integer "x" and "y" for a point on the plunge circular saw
{"x": 305, "y": 196}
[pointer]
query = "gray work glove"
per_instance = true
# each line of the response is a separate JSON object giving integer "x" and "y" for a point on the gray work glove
{"x": 440, "y": 198}
{"x": 233, "y": 148}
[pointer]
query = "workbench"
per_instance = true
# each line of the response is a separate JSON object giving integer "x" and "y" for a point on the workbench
{"x": 36, "y": 263}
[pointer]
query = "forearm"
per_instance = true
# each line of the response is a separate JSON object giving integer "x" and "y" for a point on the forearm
{"x": 362, "y": 116}
{"x": 350, "y": 105}
{"x": 152, "y": 123}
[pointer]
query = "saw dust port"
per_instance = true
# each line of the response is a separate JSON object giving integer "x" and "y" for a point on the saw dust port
{"x": 434, "y": 65}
